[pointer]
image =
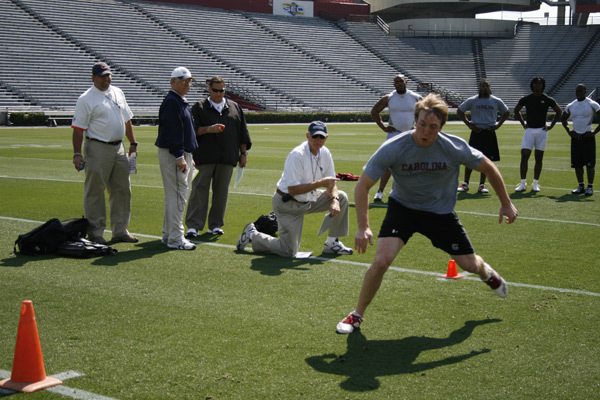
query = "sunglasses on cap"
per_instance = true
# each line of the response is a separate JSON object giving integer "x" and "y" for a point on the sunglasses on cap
{"x": 217, "y": 90}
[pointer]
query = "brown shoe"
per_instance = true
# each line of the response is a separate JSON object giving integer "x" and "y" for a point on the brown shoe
{"x": 127, "y": 238}
{"x": 97, "y": 239}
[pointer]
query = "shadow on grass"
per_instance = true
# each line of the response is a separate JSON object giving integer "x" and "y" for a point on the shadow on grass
{"x": 274, "y": 265}
{"x": 570, "y": 197}
{"x": 366, "y": 360}
{"x": 141, "y": 250}
{"x": 525, "y": 195}
{"x": 474, "y": 195}
{"x": 20, "y": 260}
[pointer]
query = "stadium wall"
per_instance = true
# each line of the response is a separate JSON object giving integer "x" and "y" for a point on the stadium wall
{"x": 452, "y": 27}
{"x": 323, "y": 9}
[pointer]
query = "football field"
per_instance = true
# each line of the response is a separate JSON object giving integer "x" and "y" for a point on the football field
{"x": 216, "y": 323}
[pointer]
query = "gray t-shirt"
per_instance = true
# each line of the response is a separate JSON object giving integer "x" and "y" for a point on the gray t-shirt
{"x": 484, "y": 110}
{"x": 425, "y": 178}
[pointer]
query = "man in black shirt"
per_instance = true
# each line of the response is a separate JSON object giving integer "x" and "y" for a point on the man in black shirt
{"x": 536, "y": 131}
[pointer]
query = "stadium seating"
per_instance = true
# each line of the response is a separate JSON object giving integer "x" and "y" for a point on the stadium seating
{"x": 44, "y": 69}
{"x": 269, "y": 62}
{"x": 272, "y": 60}
{"x": 536, "y": 51}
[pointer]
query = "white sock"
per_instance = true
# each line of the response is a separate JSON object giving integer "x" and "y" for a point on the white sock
{"x": 523, "y": 181}
{"x": 331, "y": 239}
{"x": 536, "y": 181}
{"x": 488, "y": 269}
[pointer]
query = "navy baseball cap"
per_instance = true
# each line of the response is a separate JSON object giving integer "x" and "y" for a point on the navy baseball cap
{"x": 317, "y": 128}
{"x": 101, "y": 69}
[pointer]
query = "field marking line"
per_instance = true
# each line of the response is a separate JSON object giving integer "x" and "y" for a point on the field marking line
{"x": 373, "y": 205}
{"x": 61, "y": 389}
{"x": 348, "y": 262}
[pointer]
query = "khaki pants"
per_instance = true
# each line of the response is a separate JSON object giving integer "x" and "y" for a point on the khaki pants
{"x": 290, "y": 218}
{"x": 176, "y": 185}
{"x": 220, "y": 176}
{"x": 106, "y": 168}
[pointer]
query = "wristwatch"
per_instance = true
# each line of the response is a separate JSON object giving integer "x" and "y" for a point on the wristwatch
{"x": 245, "y": 153}
{"x": 335, "y": 198}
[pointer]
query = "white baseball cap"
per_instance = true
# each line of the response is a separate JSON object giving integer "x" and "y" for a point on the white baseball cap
{"x": 181, "y": 73}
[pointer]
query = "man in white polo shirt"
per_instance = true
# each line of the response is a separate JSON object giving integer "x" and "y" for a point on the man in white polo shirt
{"x": 307, "y": 185}
{"x": 583, "y": 140}
{"x": 103, "y": 117}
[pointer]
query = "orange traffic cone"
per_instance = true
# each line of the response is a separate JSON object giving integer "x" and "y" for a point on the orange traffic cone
{"x": 452, "y": 273}
{"x": 28, "y": 372}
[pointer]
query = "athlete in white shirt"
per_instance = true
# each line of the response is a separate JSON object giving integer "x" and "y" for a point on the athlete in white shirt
{"x": 401, "y": 105}
{"x": 583, "y": 140}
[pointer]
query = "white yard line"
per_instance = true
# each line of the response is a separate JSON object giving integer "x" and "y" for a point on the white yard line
{"x": 61, "y": 389}
{"x": 348, "y": 262}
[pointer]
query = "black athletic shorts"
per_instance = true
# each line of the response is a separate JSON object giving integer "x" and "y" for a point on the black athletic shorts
{"x": 486, "y": 142}
{"x": 444, "y": 230}
{"x": 583, "y": 152}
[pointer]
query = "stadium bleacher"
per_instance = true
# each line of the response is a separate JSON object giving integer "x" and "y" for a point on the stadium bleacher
{"x": 536, "y": 51}
{"x": 269, "y": 62}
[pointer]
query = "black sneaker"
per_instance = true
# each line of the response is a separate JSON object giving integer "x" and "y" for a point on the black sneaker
{"x": 579, "y": 190}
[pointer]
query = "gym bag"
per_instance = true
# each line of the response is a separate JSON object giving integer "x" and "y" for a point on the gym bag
{"x": 83, "y": 248}
{"x": 44, "y": 239}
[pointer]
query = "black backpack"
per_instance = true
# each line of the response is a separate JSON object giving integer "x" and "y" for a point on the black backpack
{"x": 75, "y": 228}
{"x": 46, "y": 238}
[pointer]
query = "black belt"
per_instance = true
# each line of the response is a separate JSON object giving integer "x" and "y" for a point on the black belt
{"x": 116, "y": 142}
{"x": 286, "y": 196}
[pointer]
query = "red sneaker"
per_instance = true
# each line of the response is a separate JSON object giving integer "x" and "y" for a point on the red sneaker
{"x": 348, "y": 324}
{"x": 497, "y": 283}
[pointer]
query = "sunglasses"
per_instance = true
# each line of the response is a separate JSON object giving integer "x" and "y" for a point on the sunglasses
{"x": 217, "y": 90}
{"x": 318, "y": 137}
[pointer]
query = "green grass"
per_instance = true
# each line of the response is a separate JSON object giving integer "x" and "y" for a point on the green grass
{"x": 217, "y": 323}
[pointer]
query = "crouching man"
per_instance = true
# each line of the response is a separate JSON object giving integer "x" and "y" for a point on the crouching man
{"x": 307, "y": 185}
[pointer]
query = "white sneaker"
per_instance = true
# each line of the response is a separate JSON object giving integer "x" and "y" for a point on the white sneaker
{"x": 183, "y": 244}
{"x": 482, "y": 189}
{"x": 246, "y": 237}
{"x": 191, "y": 233}
{"x": 378, "y": 196}
{"x": 536, "y": 187}
{"x": 337, "y": 247}
{"x": 216, "y": 231}
{"x": 521, "y": 187}
{"x": 464, "y": 187}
